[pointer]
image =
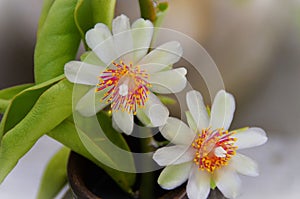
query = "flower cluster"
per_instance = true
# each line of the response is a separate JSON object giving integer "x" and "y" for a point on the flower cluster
{"x": 124, "y": 74}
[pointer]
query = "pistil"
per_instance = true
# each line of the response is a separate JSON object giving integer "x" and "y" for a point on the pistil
{"x": 127, "y": 87}
{"x": 214, "y": 148}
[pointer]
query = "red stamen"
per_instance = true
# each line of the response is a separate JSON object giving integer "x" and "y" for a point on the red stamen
{"x": 134, "y": 79}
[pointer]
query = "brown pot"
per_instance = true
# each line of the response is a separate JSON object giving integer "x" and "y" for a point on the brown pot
{"x": 88, "y": 181}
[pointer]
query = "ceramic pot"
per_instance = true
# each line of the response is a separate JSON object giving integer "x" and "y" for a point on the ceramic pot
{"x": 88, "y": 181}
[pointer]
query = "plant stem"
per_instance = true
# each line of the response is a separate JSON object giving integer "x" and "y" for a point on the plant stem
{"x": 147, "y": 179}
{"x": 147, "y": 186}
{"x": 147, "y": 9}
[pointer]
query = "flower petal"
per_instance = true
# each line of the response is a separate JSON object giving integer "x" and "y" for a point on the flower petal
{"x": 123, "y": 120}
{"x": 177, "y": 132}
{"x": 91, "y": 102}
{"x": 161, "y": 57}
{"x": 90, "y": 57}
{"x": 142, "y": 31}
{"x": 222, "y": 110}
{"x": 100, "y": 40}
{"x": 198, "y": 185}
{"x": 82, "y": 73}
{"x": 115, "y": 126}
{"x": 250, "y": 138}
{"x": 244, "y": 165}
{"x": 140, "y": 113}
{"x": 123, "y": 37}
{"x": 171, "y": 81}
{"x": 190, "y": 121}
{"x": 120, "y": 24}
{"x": 174, "y": 175}
{"x": 197, "y": 109}
{"x": 228, "y": 182}
{"x": 172, "y": 155}
{"x": 155, "y": 111}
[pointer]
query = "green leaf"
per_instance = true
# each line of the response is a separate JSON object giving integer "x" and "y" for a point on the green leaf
{"x": 55, "y": 175}
{"x": 52, "y": 107}
{"x": 57, "y": 42}
{"x": 7, "y": 94}
{"x": 3, "y": 105}
{"x": 105, "y": 144}
{"x": 66, "y": 134}
{"x": 83, "y": 18}
{"x": 44, "y": 13}
{"x": 114, "y": 136}
{"x": 89, "y": 12}
{"x": 22, "y": 103}
{"x": 103, "y": 11}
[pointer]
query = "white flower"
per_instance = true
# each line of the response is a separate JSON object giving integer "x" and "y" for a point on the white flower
{"x": 205, "y": 152}
{"x": 124, "y": 74}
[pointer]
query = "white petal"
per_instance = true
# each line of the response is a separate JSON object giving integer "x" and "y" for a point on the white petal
{"x": 161, "y": 57}
{"x": 155, "y": 111}
{"x": 228, "y": 182}
{"x": 82, "y": 73}
{"x": 142, "y": 31}
{"x": 198, "y": 185}
{"x": 244, "y": 165}
{"x": 174, "y": 175}
{"x": 177, "y": 132}
{"x": 100, "y": 40}
{"x": 90, "y": 57}
{"x": 140, "y": 113}
{"x": 171, "y": 81}
{"x": 91, "y": 102}
{"x": 197, "y": 109}
{"x": 123, "y": 120}
{"x": 250, "y": 138}
{"x": 151, "y": 68}
{"x": 120, "y": 24}
{"x": 222, "y": 110}
{"x": 173, "y": 155}
{"x": 116, "y": 127}
{"x": 97, "y": 35}
{"x": 190, "y": 121}
{"x": 123, "y": 37}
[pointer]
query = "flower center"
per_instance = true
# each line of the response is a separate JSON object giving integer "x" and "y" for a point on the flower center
{"x": 127, "y": 87}
{"x": 214, "y": 148}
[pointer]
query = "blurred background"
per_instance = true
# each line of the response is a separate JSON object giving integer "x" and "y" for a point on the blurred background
{"x": 254, "y": 43}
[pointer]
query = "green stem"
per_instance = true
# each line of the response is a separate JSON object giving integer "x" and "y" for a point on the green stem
{"x": 147, "y": 179}
{"x": 147, "y": 9}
